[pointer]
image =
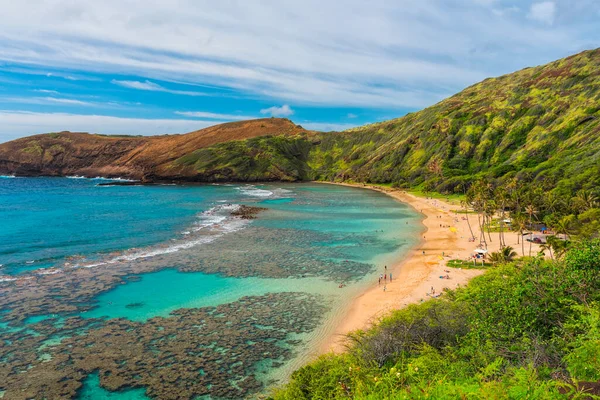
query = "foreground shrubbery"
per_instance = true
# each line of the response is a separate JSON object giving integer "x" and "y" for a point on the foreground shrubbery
{"x": 527, "y": 330}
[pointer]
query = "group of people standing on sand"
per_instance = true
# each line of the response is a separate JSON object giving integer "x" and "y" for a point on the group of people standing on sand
{"x": 384, "y": 277}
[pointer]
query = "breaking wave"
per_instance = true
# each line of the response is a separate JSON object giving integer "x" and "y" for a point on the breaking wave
{"x": 101, "y": 178}
{"x": 253, "y": 191}
{"x": 211, "y": 225}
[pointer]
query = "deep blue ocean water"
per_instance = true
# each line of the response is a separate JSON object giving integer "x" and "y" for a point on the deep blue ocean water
{"x": 75, "y": 223}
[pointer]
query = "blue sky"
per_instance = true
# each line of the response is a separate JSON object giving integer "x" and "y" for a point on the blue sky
{"x": 153, "y": 67}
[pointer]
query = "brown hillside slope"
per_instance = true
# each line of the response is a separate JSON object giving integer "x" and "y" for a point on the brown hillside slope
{"x": 70, "y": 153}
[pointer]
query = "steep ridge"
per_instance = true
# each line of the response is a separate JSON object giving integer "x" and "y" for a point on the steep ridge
{"x": 70, "y": 153}
{"x": 542, "y": 122}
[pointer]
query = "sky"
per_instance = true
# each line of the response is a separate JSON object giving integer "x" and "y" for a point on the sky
{"x": 173, "y": 66}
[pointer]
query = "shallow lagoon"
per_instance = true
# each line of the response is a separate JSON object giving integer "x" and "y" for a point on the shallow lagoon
{"x": 144, "y": 252}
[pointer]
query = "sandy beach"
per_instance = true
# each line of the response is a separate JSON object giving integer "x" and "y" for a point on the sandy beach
{"x": 446, "y": 237}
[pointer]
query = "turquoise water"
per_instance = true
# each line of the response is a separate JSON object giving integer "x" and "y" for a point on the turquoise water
{"x": 142, "y": 252}
{"x": 93, "y": 391}
{"x": 160, "y": 293}
{"x": 46, "y": 220}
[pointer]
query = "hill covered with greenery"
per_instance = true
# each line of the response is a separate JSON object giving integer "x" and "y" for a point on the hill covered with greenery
{"x": 539, "y": 124}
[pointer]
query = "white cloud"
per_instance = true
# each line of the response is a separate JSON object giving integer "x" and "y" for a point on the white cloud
{"x": 283, "y": 111}
{"x": 544, "y": 12}
{"x": 209, "y": 115}
{"x": 46, "y": 91}
{"x": 14, "y": 124}
{"x": 154, "y": 87}
{"x": 405, "y": 54}
{"x": 47, "y": 101}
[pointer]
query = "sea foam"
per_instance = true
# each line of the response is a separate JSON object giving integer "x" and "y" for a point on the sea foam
{"x": 101, "y": 178}
{"x": 214, "y": 223}
{"x": 253, "y": 191}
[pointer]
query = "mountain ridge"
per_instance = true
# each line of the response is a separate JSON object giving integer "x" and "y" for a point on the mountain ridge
{"x": 78, "y": 153}
{"x": 541, "y": 123}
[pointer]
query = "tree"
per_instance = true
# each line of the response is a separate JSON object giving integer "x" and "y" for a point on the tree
{"x": 564, "y": 225}
{"x": 501, "y": 200}
{"x": 506, "y": 254}
{"x": 590, "y": 223}
{"x": 558, "y": 246}
{"x": 546, "y": 247}
{"x": 465, "y": 203}
{"x": 531, "y": 211}
{"x": 584, "y": 200}
{"x": 520, "y": 221}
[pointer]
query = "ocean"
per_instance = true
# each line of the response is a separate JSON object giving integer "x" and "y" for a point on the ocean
{"x": 132, "y": 292}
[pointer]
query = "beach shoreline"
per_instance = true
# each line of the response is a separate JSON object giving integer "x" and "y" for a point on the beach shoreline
{"x": 445, "y": 236}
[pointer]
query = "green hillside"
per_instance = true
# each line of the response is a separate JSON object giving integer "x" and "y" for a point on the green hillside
{"x": 540, "y": 123}
{"x": 525, "y": 330}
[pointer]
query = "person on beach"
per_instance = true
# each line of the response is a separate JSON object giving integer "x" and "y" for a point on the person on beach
{"x": 432, "y": 290}
{"x": 390, "y": 276}
{"x": 384, "y": 288}
{"x": 379, "y": 281}
{"x": 385, "y": 277}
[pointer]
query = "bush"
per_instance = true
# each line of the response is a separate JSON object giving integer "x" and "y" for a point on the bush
{"x": 436, "y": 324}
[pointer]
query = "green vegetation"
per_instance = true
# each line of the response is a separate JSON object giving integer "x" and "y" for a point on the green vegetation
{"x": 519, "y": 207}
{"x": 263, "y": 158}
{"x": 519, "y": 153}
{"x": 33, "y": 147}
{"x": 540, "y": 125}
{"x": 467, "y": 264}
{"x": 523, "y": 330}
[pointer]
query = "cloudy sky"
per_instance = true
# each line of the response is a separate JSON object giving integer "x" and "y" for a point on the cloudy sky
{"x": 158, "y": 66}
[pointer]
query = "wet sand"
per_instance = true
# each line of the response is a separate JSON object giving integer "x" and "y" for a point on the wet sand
{"x": 446, "y": 237}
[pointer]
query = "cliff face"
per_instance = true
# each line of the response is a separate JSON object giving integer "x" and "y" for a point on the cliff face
{"x": 70, "y": 153}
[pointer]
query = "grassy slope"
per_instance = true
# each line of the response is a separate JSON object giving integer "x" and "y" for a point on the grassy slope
{"x": 541, "y": 123}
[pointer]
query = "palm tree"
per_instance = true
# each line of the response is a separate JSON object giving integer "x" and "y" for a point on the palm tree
{"x": 584, "y": 200}
{"x": 531, "y": 211}
{"x": 478, "y": 203}
{"x": 553, "y": 203}
{"x": 506, "y": 254}
{"x": 481, "y": 194}
{"x": 520, "y": 221}
{"x": 501, "y": 196}
{"x": 558, "y": 246}
{"x": 490, "y": 210}
{"x": 547, "y": 246}
{"x": 465, "y": 203}
{"x": 564, "y": 224}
